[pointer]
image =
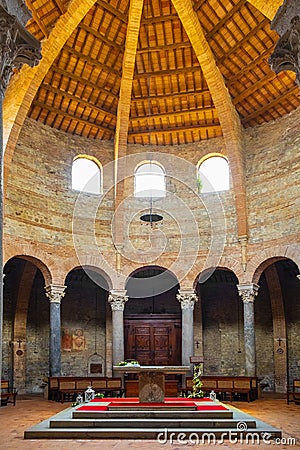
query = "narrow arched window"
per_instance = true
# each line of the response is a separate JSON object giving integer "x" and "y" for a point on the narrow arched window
{"x": 149, "y": 181}
{"x": 213, "y": 174}
{"x": 86, "y": 175}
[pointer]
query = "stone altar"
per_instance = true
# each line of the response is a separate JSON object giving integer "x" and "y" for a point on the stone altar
{"x": 152, "y": 380}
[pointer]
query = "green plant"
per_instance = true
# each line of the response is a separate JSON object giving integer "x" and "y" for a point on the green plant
{"x": 99, "y": 395}
{"x": 197, "y": 383}
{"x": 199, "y": 184}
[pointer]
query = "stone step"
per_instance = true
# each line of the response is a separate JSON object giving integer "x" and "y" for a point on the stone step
{"x": 164, "y": 435}
{"x": 151, "y": 423}
{"x": 152, "y": 414}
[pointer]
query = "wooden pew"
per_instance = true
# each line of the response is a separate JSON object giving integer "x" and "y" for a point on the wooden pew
{"x": 66, "y": 388}
{"x": 233, "y": 388}
{"x": 8, "y": 393}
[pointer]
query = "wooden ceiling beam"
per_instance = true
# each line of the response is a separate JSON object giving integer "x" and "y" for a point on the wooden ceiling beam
{"x": 173, "y": 130}
{"x": 60, "y": 6}
{"x": 167, "y": 72}
{"x": 115, "y": 12}
{"x": 254, "y": 87}
{"x": 24, "y": 85}
{"x": 258, "y": 111}
{"x": 77, "y": 78}
{"x": 229, "y": 119}
{"x": 37, "y": 18}
{"x": 181, "y": 94}
{"x": 66, "y": 114}
{"x": 101, "y": 37}
{"x": 92, "y": 61}
{"x": 79, "y": 100}
{"x": 182, "y": 112}
{"x": 166, "y": 47}
{"x": 245, "y": 39}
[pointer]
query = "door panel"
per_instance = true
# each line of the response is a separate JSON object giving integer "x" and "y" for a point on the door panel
{"x": 153, "y": 341}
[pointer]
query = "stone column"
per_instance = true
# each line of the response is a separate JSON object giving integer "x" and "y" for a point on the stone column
{"x": 248, "y": 292}
{"x": 286, "y": 55}
{"x": 55, "y": 293}
{"x": 187, "y": 299}
{"x": 17, "y": 47}
{"x": 117, "y": 300}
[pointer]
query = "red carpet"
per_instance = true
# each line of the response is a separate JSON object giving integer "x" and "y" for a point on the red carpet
{"x": 177, "y": 404}
{"x": 211, "y": 408}
{"x": 92, "y": 408}
{"x": 136, "y": 399}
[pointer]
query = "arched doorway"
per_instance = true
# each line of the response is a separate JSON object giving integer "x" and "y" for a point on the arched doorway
{"x": 152, "y": 318}
{"x": 277, "y": 321}
{"x": 25, "y": 325}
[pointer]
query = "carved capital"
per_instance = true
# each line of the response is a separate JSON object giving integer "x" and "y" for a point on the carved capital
{"x": 187, "y": 299}
{"x": 17, "y": 47}
{"x": 117, "y": 300}
{"x": 55, "y": 292}
{"x": 248, "y": 292}
{"x": 286, "y": 55}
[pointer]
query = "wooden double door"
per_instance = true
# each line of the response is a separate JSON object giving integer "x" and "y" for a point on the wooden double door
{"x": 154, "y": 340}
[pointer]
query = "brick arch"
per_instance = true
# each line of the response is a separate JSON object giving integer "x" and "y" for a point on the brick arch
{"x": 209, "y": 271}
{"x": 95, "y": 269}
{"x": 267, "y": 7}
{"x": 24, "y": 85}
{"x": 37, "y": 262}
{"x": 264, "y": 259}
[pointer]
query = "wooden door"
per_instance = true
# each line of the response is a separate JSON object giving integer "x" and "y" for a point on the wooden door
{"x": 153, "y": 341}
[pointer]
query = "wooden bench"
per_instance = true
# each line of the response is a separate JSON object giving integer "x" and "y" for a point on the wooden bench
{"x": 293, "y": 392}
{"x": 8, "y": 394}
{"x": 226, "y": 387}
{"x": 66, "y": 388}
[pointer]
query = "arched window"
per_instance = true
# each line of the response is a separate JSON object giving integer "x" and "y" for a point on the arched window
{"x": 86, "y": 175}
{"x": 213, "y": 174}
{"x": 149, "y": 181}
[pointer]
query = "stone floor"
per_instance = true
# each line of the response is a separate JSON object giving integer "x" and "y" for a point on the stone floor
{"x": 30, "y": 410}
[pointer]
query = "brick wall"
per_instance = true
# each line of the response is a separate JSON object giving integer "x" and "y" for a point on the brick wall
{"x": 39, "y": 210}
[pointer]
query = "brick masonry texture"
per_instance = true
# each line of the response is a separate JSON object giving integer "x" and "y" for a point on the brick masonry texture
{"x": 39, "y": 207}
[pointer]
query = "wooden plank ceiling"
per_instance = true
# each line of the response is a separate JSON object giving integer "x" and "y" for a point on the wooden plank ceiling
{"x": 170, "y": 100}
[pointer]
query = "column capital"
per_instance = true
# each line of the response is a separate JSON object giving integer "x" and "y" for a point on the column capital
{"x": 248, "y": 292}
{"x": 286, "y": 53}
{"x": 187, "y": 298}
{"x": 55, "y": 292}
{"x": 17, "y": 47}
{"x": 117, "y": 299}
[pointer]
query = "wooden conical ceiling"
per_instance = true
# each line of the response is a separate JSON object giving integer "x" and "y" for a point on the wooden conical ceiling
{"x": 140, "y": 73}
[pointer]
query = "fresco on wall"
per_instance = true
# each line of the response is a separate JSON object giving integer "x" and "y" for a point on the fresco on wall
{"x": 73, "y": 340}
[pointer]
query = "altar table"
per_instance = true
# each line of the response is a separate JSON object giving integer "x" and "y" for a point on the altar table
{"x": 152, "y": 379}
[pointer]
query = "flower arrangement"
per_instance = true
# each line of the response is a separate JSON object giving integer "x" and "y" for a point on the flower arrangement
{"x": 132, "y": 362}
{"x": 197, "y": 383}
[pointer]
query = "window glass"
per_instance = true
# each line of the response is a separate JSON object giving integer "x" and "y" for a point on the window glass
{"x": 213, "y": 175}
{"x": 86, "y": 176}
{"x": 150, "y": 181}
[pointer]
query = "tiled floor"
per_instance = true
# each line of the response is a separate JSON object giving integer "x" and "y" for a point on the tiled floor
{"x": 31, "y": 410}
